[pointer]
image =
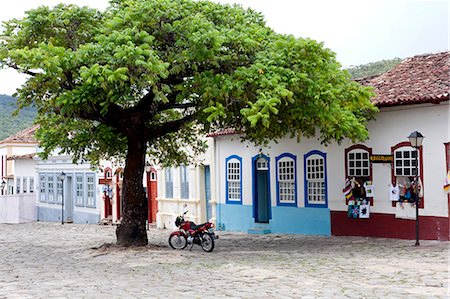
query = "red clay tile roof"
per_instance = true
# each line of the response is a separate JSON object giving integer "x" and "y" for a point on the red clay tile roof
{"x": 24, "y": 136}
{"x": 419, "y": 79}
{"x": 222, "y": 133}
{"x": 21, "y": 157}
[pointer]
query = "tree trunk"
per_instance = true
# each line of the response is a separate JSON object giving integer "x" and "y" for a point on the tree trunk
{"x": 132, "y": 229}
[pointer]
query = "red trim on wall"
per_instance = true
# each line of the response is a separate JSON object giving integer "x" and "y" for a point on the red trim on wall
{"x": 387, "y": 226}
{"x": 447, "y": 158}
{"x": 349, "y": 149}
{"x": 106, "y": 171}
{"x": 397, "y": 146}
{"x": 1, "y": 177}
{"x": 152, "y": 192}
{"x": 118, "y": 199}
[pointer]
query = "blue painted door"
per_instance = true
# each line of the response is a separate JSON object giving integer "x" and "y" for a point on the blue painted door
{"x": 262, "y": 193}
{"x": 208, "y": 192}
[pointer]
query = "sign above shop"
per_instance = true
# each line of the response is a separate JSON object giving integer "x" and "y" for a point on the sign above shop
{"x": 381, "y": 158}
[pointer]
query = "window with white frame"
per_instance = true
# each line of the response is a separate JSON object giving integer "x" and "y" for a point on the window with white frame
{"x": 42, "y": 189}
{"x": 184, "y": 183}
{"x": 90, "y": 178}
{"x": 31, "y": 184}
{"x": 315, "y": 177}
{"x": 18, "y": 182}
{"x": 405, "y": 161}
{"x": 50, "y": 187}
{"x": 358, "y": 163}
{"x": 79, "y": 190}
{"x": 24, "y": 184}
{"x": 234, "y": 179}
{"x": 59, "y": 191}
{"x": 286, "y": 179}
{"x": 262, "y": 164}
{"x": 169, "y": 182}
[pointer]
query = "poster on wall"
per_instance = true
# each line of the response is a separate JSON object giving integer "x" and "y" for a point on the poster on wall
{"x": 364, "y": 211}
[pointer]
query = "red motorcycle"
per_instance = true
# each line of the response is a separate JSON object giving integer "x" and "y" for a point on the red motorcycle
{"x": 190, "y": 233}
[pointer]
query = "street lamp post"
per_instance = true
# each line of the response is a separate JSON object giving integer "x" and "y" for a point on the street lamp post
{"x": 416, "y": 138}
{"x": 148, "y": 168}
{"x": 62, "y": 177}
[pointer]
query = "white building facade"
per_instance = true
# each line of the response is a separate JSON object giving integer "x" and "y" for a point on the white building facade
{"x": 300, "y": 187}
{"x": 188, "y": 187}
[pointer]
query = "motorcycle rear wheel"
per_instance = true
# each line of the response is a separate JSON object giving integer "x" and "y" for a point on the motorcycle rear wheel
{"x": 207, "y": 242}
{"x": 177, "y": 241}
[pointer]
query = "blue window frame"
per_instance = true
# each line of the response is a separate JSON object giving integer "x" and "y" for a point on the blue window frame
{"x": 42, "y": 187}
{"x": 51, "y": 187}
{"x": 79, "y": 189}
{"x": 90, "y": 190}
{"x": 315, "y": 169}
{"x": 169, "y": 182}
{"x": 233, "y": 176}
{"x": 184, "y": 182}
{"x": 286, "y": 173}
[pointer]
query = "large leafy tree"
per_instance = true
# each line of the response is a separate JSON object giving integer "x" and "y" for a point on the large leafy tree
{"x": 152, "y": 76}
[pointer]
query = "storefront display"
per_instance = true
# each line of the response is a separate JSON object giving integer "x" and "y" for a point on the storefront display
{"x": 355, "y": 191}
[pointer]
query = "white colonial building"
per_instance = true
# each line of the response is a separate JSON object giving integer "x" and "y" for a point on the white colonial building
{"x": 292, "y": 187}
{"x": 17, "y": 181}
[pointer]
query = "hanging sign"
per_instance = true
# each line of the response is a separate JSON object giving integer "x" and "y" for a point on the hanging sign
{"x": 103, "y": 181}
{"x": 381, "y": 158}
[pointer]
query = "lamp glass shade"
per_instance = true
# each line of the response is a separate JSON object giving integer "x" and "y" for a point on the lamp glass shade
{"x": 62, "y": 176}
{"x": 415, "y": 138}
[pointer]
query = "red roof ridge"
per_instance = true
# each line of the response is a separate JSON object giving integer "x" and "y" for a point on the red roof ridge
{"x": 224, "y": 132}
{"x": 25, "y": 136}
{"x": 20, "y": 157}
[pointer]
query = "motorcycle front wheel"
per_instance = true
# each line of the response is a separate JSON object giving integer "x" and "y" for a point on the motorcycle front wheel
{"x": 207, "y": 242}
{"x": 177, "y": 241}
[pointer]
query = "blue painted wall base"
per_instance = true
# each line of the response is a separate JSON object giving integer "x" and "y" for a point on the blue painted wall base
{"x": 288, "y": 220}
{"x": 54, "y": 215}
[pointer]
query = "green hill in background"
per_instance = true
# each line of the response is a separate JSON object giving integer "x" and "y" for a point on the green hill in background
{"x": 373, "y": 68}
{"x": 10, "y": 124}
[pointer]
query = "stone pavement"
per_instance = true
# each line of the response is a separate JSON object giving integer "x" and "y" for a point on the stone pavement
{"x": 50, "y": 260}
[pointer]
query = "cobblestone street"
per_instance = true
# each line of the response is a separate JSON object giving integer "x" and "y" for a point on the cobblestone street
{"x": 50, "y": 260}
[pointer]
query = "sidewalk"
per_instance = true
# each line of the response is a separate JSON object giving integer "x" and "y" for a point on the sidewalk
{"x": 50, "y": 260}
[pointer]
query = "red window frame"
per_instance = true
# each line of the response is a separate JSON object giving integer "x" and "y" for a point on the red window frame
{"x": 393, "y": 180}
{"x": 361, "y": 147}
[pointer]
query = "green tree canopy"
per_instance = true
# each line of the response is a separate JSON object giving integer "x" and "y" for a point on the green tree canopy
{"x": 152, "y": 76}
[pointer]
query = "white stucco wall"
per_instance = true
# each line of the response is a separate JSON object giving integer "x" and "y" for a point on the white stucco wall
{"x": 392, "y": 126}
{"x": 17, "y": 208}
{"x": 169, "y": 208}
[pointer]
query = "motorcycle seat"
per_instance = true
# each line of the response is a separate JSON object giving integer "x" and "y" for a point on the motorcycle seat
{"x": 195, "y": 226}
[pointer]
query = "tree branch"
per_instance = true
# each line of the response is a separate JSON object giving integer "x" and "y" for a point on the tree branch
{"x": 16, "y": 67}
{"x": 166, "y": 106}
{"x": 170, "y": 127}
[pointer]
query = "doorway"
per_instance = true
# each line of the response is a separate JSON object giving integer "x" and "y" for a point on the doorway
{"x": 261, "y": 189}
{"x": 208, "y": 192}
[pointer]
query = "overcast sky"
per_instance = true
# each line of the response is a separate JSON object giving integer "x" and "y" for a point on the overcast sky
{"x": 358, "y": 31}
